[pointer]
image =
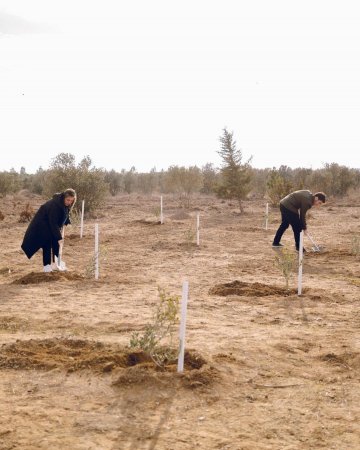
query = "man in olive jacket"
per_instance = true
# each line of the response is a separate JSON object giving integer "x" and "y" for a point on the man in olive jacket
{"x": 293, "y": 210}
{"x": 44, "y": 231}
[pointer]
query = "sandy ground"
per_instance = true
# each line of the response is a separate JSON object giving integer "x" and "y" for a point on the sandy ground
{"x": 265, "y": 368}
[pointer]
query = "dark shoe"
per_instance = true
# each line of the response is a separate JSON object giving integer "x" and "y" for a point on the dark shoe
{"x": 277, "y": 245}
{"x": 304, "y": 251}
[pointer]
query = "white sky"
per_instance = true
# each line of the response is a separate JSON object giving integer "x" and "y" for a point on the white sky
{"x": 153, "y": 83}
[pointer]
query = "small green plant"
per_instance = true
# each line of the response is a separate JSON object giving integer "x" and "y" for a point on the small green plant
{"x": 286, "y": 261}
{"x": 157, "y": 339}
{"x": 156, "y": 212}
{"x": 90, "y": 266}
{"x": 266, "y": 219}
{"x": 189, "y": 236}
{"x": 355, "y": 246}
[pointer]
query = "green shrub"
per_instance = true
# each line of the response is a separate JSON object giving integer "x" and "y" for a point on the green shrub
{"x": 157, "y": 339}
{"x": 88, "y": 182}
{"x": 286, "y": 262}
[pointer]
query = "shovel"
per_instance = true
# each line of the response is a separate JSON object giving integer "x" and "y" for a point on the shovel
{"x": 316, "y": 248}
{"x": 60, "y": 264}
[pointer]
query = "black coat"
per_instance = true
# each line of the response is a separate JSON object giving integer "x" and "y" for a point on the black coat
{"x": 45, "y": 227}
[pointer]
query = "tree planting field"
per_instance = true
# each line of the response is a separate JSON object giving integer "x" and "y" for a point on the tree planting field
{"x": 264, "y": 368}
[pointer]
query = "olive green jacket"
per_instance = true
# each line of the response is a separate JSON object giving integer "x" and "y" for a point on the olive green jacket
{"x": 298, "y": 201}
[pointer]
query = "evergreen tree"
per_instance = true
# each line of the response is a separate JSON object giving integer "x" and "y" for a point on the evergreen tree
{"x": 235, "y": 175}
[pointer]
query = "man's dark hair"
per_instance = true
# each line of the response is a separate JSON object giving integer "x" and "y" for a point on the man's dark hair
{"x": 321, "y": 196}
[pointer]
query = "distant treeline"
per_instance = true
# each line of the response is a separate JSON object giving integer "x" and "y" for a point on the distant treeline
{"x": 94, "y": 183}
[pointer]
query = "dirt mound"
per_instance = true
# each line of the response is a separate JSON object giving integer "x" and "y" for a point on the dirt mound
{"x": 251, "y": 229}
{"x": 74, "y": 236}
{"x": 148, "y": 221}
{"x": 145, "y": 375}
{"x": 180, "y": 215}
{"x": 73, "y": 355}
{"x": 59, "y": 353}
{"x": 249, "y": 289}
{"x": 330, "y": 253}
{"x": 12, "y": 324}
{"x": 350, "y": 360}
{"x": 41, "y": 277}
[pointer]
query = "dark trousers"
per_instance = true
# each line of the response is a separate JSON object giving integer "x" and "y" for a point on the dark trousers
{"x": 54, "y": 246}
{"x": 288, "y": 218}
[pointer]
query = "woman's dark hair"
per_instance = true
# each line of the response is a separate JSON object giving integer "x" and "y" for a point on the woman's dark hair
{"x": 321, "y": 196}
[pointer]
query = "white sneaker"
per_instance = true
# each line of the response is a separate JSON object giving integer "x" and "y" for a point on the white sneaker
{"x": 48, "y": 268}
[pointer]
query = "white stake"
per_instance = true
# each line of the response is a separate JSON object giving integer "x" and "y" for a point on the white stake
{"x": 198, "y": 229}
{"x": 82, "y": 218}
{"x": 161, "y": 210}
{"x": 185, "y": 291}
{"x": 300, "y": 262}
{"x": 266, "y": 216}
{"x": 96, "y": 251}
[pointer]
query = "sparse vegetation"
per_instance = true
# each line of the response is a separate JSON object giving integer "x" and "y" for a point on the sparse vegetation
{"x": 157, "y": 339}
{"x": 184, "y": 182}
{"x": 89, "y": 271}
{"x": 88, "y": 182}
{"x": 286, "y": 262}
{"x": 189, "y": 236}
{"x": 27, "y": 214}
{"x": 157, "y": 212}
{"x": 278, "y": 186}
{"x": 355, "y": 246}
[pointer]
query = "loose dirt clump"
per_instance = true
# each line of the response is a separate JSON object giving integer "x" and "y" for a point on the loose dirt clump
{"x": 180, "y": 215}
{"x": 197, "y": 373}
{"x": 330, "y": 254}
{"x": 12, "y": 324}
{"x": 242, "y": 288}
{"x": 148, "y": 221}
{"x": 76, "y": 237}
{"x": 40, "y": 277}
{"x": 349, "y": 360}
{"x": 74, "y": 355}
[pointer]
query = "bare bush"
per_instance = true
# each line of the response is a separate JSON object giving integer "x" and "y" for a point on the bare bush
{"x": 27, "y": 214}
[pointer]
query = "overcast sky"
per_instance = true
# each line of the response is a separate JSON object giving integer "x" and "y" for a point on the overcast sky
{"x": 153, "y": 83}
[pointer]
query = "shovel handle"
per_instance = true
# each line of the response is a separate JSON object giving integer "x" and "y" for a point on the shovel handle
{"x": 312, "y": 240}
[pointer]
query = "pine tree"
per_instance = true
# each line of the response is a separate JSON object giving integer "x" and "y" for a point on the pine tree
{"x": 235, "y": 175}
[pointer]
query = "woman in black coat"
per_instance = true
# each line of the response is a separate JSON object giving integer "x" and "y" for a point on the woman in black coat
{"x": 44, "y": 231}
